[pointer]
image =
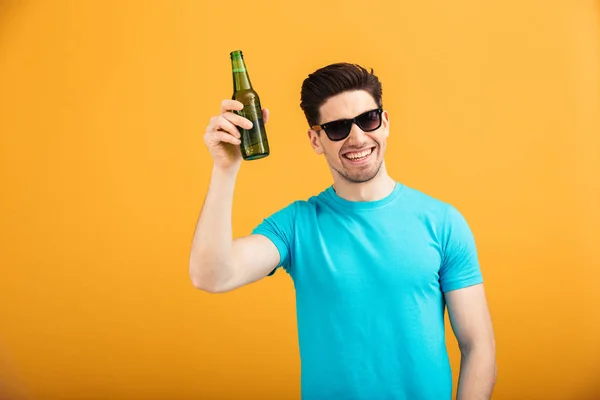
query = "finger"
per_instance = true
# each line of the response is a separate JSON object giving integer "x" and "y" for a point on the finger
{"x": 238, "y": 120}
{"x": 229, "y": 139}
{"x": 211, "y": 124}
{"x": 266, "y": 114}
{"x": 222, "y": 137}
{"x": 223, "y": 124}
{"x": 228, "y": 105}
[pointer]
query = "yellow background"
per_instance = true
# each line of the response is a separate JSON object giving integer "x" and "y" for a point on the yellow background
{"x": 494, "y": 107}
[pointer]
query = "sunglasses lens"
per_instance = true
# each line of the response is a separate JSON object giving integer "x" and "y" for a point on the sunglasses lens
{"x": 338, "y": 130}
{"x": 369, "y": 121}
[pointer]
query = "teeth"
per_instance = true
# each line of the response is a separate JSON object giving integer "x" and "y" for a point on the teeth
{"x": 355, "y": 156}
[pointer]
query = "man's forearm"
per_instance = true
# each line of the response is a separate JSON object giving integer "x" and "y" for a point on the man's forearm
{"x": 212, "y": 243}
{"x": 477, "y": 374}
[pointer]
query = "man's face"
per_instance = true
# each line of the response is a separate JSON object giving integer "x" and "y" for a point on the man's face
{"x": 342, "y": 156}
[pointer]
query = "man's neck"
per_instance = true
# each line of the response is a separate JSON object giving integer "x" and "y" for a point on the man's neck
{"x": 377, "y": 188}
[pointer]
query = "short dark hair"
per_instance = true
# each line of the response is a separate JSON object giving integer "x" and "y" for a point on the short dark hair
{"x": 332, "y": 80}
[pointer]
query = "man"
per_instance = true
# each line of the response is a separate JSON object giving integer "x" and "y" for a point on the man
{"x": 374, "y": 262}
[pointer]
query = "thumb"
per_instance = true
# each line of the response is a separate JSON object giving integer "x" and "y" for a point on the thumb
{"x": 266, "y": 114}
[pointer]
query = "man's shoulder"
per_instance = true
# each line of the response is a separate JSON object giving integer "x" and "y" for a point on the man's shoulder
{"x": 432, "y": 208}
{"x": 424, "y": 201}
{"x": 308, "y": 204}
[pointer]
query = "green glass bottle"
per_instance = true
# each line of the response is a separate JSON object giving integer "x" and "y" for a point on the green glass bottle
{"x": 254, "y": 141}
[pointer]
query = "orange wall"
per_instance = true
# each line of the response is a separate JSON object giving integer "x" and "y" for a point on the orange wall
{"x": 494, "y": 107}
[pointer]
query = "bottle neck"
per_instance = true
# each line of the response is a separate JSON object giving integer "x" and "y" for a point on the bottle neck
{"x": 241, "y": 80}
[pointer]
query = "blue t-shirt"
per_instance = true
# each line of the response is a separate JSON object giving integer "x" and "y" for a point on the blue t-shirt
{"x": 369, "y": 280}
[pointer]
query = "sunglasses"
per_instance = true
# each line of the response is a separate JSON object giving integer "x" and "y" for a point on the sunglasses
{"x": 340, "y": 129}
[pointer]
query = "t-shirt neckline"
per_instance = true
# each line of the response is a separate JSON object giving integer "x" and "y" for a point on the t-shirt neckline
{"x": 364, "y": 205}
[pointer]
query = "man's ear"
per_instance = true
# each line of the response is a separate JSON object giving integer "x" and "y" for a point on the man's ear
{"x": 386, "y": 123}
{"x": 315, "y": 141}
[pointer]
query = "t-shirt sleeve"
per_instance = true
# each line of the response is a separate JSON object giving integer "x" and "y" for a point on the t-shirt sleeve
{"x": 460, "y": 264}
{"x": 279, "y": 228}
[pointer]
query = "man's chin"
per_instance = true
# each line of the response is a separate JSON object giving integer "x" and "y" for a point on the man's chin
{"x": 357, "y": 174}
{"x": 360, "y": 176}
{"x": 359, "y": 179}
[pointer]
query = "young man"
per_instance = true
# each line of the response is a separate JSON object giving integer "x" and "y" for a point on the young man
{"x": 374, "y": 262}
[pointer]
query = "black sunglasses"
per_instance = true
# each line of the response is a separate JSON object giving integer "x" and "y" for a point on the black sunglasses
{"x": 340, "y": 129}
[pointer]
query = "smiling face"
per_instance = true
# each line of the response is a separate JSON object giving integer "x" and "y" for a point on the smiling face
{"x": 359, "y": 157}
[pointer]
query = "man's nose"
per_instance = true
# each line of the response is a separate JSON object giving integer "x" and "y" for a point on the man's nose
{"x": 357, "y": 136}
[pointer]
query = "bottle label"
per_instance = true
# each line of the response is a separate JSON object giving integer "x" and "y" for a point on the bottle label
{"x": 257, "y": 133}
{"x": 251, "y": 111}
{"x": 239, "y": 70}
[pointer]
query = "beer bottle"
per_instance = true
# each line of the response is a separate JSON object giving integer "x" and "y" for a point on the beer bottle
{"x": 254, "y": 141}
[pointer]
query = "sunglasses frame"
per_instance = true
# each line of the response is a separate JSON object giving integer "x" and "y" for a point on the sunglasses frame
{"x": 354, "y": 120}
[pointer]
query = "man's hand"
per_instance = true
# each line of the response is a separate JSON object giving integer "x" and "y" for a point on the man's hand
{"x": 222, "y": 136}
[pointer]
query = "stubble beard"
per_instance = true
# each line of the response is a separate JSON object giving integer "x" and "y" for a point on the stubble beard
{"x": 360, "y": 176}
